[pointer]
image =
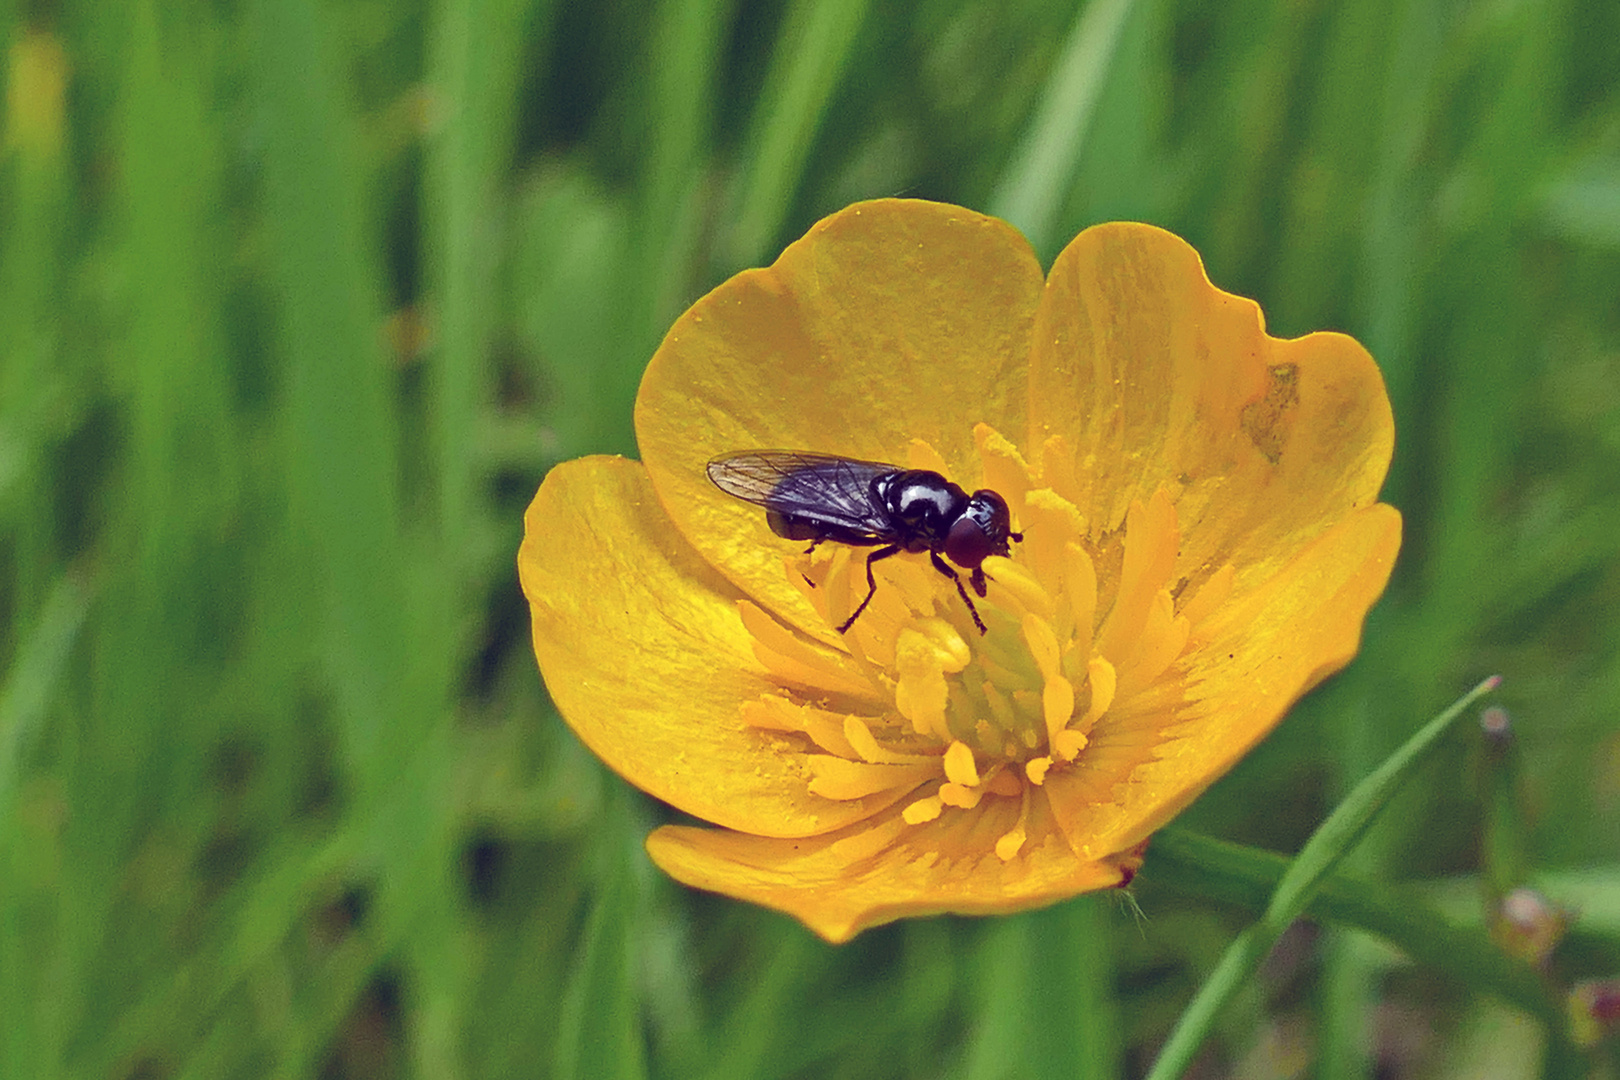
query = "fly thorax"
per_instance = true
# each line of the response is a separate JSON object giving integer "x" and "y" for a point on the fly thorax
{"x": 923, "y": 504}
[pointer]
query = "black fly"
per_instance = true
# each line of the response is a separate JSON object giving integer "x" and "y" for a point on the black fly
{"x": 818, "y": 497}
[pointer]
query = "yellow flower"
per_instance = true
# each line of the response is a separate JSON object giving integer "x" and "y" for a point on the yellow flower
{"x": 1202, "y": 540}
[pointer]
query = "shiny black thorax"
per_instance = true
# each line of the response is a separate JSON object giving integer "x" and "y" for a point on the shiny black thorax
{"x": 922, "y": 505}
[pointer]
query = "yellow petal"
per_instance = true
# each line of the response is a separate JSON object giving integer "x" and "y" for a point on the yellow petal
{"x": 884, "y": 869}
{"x": 1263, "y": 651}
{"x": 644, "y": 654}
{"x": 888, "y": 322}
{"x": 1152, "y": 376}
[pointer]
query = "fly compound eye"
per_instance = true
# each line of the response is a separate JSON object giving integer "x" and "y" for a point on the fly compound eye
{"x": 967, "y": 544}
{"x": 990, "y": 510}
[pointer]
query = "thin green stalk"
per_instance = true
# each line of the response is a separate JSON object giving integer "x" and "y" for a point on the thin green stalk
{"x": 1323, "y": 852}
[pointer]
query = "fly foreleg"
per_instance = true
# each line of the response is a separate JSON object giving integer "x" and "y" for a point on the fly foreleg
{"x": 956, "y": 579}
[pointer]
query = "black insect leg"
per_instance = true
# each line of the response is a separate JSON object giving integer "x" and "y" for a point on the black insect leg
{"x": 956, "y": 579}
{"x": 807, "y": 551}
{"x": 871, "y": 583}
{"x": 978, "y": 579}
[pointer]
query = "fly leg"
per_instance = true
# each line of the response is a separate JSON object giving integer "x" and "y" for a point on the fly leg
{"x": 956, "y": 579}
{"x": 807, "y": 551}
{"x": 871, "y": 583}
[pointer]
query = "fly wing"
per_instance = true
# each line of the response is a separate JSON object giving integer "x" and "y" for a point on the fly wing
{"x": 822, "y": 488}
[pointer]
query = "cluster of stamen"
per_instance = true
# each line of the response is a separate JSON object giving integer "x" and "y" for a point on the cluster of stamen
{"x": 959, "y": 717}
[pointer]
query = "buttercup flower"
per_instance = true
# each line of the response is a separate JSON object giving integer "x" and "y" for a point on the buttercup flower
{"x": 1202, "y": 540}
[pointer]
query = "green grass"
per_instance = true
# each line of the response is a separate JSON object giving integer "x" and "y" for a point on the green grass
{"x": 300, "y": 299}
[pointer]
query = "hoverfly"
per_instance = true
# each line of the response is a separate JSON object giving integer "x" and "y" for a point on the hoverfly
{"x": 818, "y": 497}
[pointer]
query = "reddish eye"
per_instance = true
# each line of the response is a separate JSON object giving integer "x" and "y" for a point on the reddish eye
{"x": 967, "y": 544}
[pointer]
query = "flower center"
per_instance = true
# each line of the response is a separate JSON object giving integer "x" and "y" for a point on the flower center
{"x": 1083, "y": 617}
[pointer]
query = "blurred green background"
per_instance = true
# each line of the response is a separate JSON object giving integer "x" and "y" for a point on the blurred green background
{"x": 300, "y": 299}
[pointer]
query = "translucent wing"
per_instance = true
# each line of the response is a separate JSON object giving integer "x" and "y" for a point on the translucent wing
{"x": 821, "y": 488}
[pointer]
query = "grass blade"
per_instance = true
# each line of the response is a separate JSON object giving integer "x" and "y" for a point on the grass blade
{"x": 1321, "y": 853}
{"x": 816, "y": 41}
{"x": 599, "y": 1026}
{"x": 475, "y": 54}
{"x": 1043, "y": 167}
{"x": 38, "y": 665}
{"x": 1211, "y": 869}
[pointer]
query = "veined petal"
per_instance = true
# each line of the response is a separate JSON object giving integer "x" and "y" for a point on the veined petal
{"x": 622, "y": 610}
{"x": 1155, "y": 378}
{"x": 1261, "y": 653}
{"x": 885, "y": 869}
{"x": 888, "y": 322}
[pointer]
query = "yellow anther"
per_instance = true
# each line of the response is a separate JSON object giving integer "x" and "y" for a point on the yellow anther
{"x": 1068, "y": 743}
{"x": 1151, "y": 538}
{"x": 1163, "y": 638}
{"x": 920, "y": 693}
{"x": 1004, "y": 468}
{"x": 1103, "y": 681}
{"x": 1057, "y": 512}
{"x": 923, "y": 810}
{"x": 959, "y": 765}
{"x": 835, "y": 778}
{"x": 773, "y": 712}
{"x": 1050, "y": 522}
{"x": 1012, "y": 841}
{"x": 1022, "y": 588}
{"x": 865, "y": 744}
{"x": 1080, "y": 582}
{"x": 1057, "y": 704}
{"x": 794, "y": 660}
{"x": 1043, "y": 646}
{"x": 954, "y": 653}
